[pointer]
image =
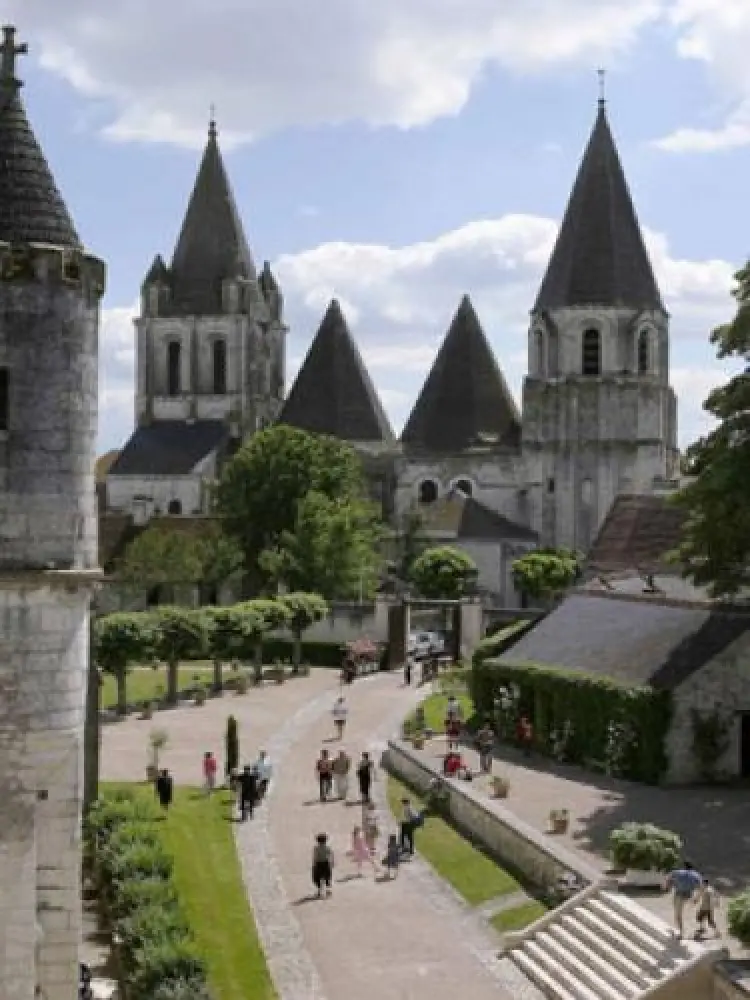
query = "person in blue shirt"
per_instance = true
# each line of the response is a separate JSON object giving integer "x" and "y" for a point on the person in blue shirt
{"x": 684, "y": 882}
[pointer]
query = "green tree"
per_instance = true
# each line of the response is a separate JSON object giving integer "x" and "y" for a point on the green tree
{"x": 232, "y": 634}
{"x": 303, "y": 611}
{"x": 120, "y": 640}
{"x": 333, "y": 549}
{"x": 545, "y": 574}
{"x": 231, "y": 747}
{"x": 411, "y": 541}
{"x": 161, "y": 556}
{"x": 221, "y": 558}
{"x": 443, "y": 572}
{"x": 179, "y": 634}
{"x": 715, "y": 545}
{"x": 262, "y": 486}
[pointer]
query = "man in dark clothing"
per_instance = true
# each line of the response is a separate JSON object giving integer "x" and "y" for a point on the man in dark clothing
{"x": 164, "y": 789}
{"x": 248, "y": 791}
{"x": 365, "y": 772}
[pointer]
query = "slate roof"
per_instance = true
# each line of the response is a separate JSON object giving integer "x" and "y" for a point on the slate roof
{"x": 599, "y": 257}
{"x": 465, "y": 401}
{"x": 31, "y": 207}
{"x": 169, "y": 447}
{"x": 468, "y": 518}
{"x": 637, "y": 533}
{"x": 212, "y": 244}
{"x": 634, "y": 641}
{"x": 333, "y": 393}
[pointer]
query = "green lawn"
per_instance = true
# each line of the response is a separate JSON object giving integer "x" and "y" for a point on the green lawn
{"x": 148, "y": 684}
{"x": 518, "y": 917}
{"x": 207, "y": 874}
{"x": 473, "y": 874}
{"x": 434, "y": 709}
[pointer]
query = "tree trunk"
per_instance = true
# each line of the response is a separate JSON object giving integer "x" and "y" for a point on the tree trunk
{"x": 296, "y": 652}
{"x": 91, "y": 733}
{"x": 218, "y": 683}
{"x": 121, "y": 678}
{"x": 172, "y": 681}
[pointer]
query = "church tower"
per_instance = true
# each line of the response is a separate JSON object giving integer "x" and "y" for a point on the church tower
{"x": 50, "y": 291}
{"x": 210, "y": 337}
{"x": 599, "y": 415}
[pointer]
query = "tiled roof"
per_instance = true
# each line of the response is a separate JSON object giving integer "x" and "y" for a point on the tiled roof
{"x": 468, "y": 518}
{"x": 333, "y": 393}
{"x": 31, "y": 207}
{"x": 169, "y": 447}
{"x": 465, "y": 401}
{"x": 599, "y": 257}
{"x": 637, "y": 533}
{"x": 634, "y": 641}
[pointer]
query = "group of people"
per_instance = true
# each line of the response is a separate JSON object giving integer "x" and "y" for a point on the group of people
{"x": 688, "y": 884}
{"x": 251, "y": 784}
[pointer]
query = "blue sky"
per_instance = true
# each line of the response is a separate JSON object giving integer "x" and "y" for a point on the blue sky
{"x": 397, "y": 159}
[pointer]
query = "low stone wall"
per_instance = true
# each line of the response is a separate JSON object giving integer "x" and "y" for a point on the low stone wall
{"x": 732, "y": 980}
{"x": 533, "y": 855}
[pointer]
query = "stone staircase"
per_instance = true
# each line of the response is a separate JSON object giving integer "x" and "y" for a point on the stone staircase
{"x": 603, "y": 946}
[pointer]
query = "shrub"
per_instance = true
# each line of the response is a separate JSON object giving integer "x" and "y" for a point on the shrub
{"x": 593, "y": 709}
{"x": 181, "y": 989}
{"x": 645, "y": 847}
{"x": 143, "y": 893}
{"x": 317, "y": 654}
{"x": 500, "y": 641}
{"x": 162, "y": 961}
{"x": 738, "y": 917}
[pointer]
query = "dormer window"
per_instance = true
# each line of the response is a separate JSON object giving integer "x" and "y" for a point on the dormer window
{"x": 591, "y": 353}
{"x": 4, "y": 399}
{"x": 464, "y": 486}
{"x": 174, "y": 361}
{"x": 428, "y": 491}
{"x": 219, "y": 364}
{"x": 644, "y": 352}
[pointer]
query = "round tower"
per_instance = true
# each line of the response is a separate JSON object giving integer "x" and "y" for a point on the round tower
{"x": 50, "y": 290}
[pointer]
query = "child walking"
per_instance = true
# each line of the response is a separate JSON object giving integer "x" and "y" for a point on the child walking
{"x": 360, "y": 851}
{"x": 707, "y": 900}
{"x": 392, "y": 856}
{"x": 322, "y": 865}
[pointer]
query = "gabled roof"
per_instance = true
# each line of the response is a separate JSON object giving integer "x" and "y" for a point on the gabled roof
{"x": 599, "y": 257}
{"x": 468, "y": 518}
{"x": 169, "y": 447}
{"x": 212, "y": 244}
{"x": 465, "y": 401}
{"x": 31, "y": 207}
{"x": 333, "y": 393}
{"x": 637, "y": 533}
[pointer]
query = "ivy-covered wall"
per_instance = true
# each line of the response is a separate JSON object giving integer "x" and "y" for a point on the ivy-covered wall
{"x": 577, "y": 717}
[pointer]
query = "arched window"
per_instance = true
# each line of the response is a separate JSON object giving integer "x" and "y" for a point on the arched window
{"x": 428, "y": 491}
{"x": 175, "y": 507}
{"x": 174, "y": 358}
{"x": 4, "y": 399}
{"x": 540, "y": 368}
{"x": 644, "y": 352}
{"x": 591, "y": 353}
{"x": 219, "y": 359}
{"x": 464, "y": 486}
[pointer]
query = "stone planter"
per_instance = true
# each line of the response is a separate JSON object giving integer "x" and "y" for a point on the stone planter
{"x": 638, "y": 878}
{"x": 418, "y": 742}
{"x": 500, "y": 787}
{"x": 559, "y": 821}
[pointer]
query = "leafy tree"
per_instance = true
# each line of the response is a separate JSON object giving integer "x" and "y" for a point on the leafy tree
{"x": 715, "y": 546}
{"x": 410, "y": 541}
{"x": 443, "y": 572}
{"x": 179, "y": 634}
{"x": 161, "y": 556}
{"x": 333, "y": 549}
{"x": 221, "y": 558}
{"x": 119, "y": 640}
{"x": 261, "y": 616}
{"x": 232, "y": 633}
{"x": 263, "y": 484}
{"x": 303, "y": 611}
{"x": 546, "y": 574}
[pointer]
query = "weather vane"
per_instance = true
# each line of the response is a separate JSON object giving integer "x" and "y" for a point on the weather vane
{"x": 602, "y": 74}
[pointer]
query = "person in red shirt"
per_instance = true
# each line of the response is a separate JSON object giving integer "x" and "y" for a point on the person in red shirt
{"x": 525, "y": 734}
{"x": 209, "y": 772}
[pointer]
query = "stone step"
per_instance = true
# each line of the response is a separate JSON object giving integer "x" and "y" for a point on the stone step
{"x": 646, "y": 921}
{"x": 581, "y": 970}
{"x": 601, "y": 907}
{"x": 598, "y": 925}
{"x": 590, "y": 953}
{"x": 544, "y": 960}
{"x": 614, "y": 956}
{"x": 539, "y": 977}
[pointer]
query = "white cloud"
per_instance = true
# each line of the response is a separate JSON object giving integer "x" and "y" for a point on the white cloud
{"x": 399, "y": 302}
{"x": 154, "y": 68}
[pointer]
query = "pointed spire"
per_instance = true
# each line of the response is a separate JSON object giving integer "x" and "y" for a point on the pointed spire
{"x": 465, "y": 401}
{"x": 157, "y": 272}
{"x": 31, "y": 208}
{"x": 333, "y": 393}
{"x": 212, "y": 245}
{"x": 599, "y": 258}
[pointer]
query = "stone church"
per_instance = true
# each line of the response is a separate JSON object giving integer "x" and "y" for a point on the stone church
{"x": 598, "y": 416}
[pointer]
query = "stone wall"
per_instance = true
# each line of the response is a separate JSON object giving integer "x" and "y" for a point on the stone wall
{"x": 536, "y": 857}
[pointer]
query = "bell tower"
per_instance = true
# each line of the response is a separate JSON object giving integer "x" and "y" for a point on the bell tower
{"x": 599, "y": 414}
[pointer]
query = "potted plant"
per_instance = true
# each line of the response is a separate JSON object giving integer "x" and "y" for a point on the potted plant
{"x": 200, "y": 697}
{"x": 738, "y": 918}
{"x": 240, "y": 685}
{"x": 417, "y": 739}
{"x": 158, "y": 739}
{"x": 500, "y": 787}
{"x": 559, "y": 820}
{"x": 645, "y": 852}
{"x": 147, "y": 710}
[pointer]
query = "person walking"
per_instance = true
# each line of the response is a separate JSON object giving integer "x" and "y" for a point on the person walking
{"x": 525, "y": 735}
{"x": 322, "y": 865}
{"x": 370, "y": 827}
{"x": 410, "y": 820}
{"x": 164, "y": 789}
{"x": 453, "y": 719}
{"x": 249, "y": 785}
{"x": 365, "y": 773}
{"x": 209, "y": 772}
{"x": 341, "y": 766}
{"x": 360, "y": 852}
{"x": 486, "y": 742}
{"x": 392, "y": 858}
{"x": 264, "y": 771}
{"x": 707, "y": 900}
{"x": 684, "y": 883}
{"x": 340, "y": 712}
{"x": 324, "y": 770}
{"x": 407, "y": 672}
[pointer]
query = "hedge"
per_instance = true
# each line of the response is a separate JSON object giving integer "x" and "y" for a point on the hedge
{"x": 501, "y": 641}
{"x": 314, "y": 653}
{"x": 154, "y": 945}
{"x": 577, "y": 717}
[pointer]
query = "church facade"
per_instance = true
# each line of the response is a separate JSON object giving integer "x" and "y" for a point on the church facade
{"x": 597, "y": 417}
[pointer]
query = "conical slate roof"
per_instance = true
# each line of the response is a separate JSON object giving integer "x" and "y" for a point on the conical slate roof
{"x": 465, "y": 401}
{"x": 333, "y": 393}
{"x": 599, "y": 257}
{"x": 212, "y": 244}
{"x": 157, "y": 272}
{"x": 31, "y": 207}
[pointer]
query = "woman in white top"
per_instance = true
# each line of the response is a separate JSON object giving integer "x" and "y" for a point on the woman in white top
{"x": 340, "y": 712}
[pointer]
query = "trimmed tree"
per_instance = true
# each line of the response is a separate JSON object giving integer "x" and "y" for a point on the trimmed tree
{"x": 120, "y": 640}
{"x": 303, "y": 611}
{"x": 179, "y": 634}
{"x": 443, "y": 572}
{"x": 545, "y": 574}
{"x": 231, "y": 747}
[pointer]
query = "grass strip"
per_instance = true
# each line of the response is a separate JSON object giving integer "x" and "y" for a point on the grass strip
{"x": 518, "y": 917}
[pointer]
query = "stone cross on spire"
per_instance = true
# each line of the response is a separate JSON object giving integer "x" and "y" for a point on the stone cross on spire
{"x": 602, "y": 74}
{"x": 8, "y": 52}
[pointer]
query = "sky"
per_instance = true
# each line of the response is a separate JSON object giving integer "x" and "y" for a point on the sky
{"x": 397, "y": 155}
